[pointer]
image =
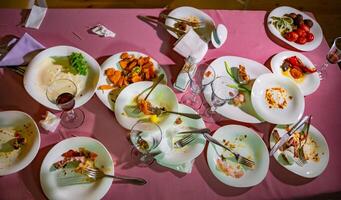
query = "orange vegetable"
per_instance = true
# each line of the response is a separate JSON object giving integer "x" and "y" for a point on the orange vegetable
{"x": 105, "y": 87}
{"x": 144, "y": 107}
{"x": 132, "y": 65}
{"x": 295, "y": 73}
{"x": 120, "y": 81}
{"x": 136, "y": 78}
{"x": 109, "y": 71}
{"x": 116, "y": 77}
{"x": 123, "y": 63}
{"x": 124, "y": 55}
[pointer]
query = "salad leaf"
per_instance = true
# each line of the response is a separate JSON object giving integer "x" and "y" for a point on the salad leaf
{"x": 79, "y": 63}
{"x": 238, "y": 86}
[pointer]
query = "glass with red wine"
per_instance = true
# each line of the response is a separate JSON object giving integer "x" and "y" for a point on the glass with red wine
{"x": 62, "y": 92}
{"x": 333, "y": 57}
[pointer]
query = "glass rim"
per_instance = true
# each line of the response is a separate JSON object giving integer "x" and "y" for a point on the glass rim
{"x": 150, "y": 122}
{"x": 213, "y": 88}
{"x": 63, "y": 79}
{"x": 334, "y": 43}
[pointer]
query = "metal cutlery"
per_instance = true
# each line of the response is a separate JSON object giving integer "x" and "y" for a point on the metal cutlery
{"x": 204, "y": 130}
{"x": 184, "y": 141}
{"x": 151, "y": 88}
{"x": 159, "y": 111}
{"x": 176, "y": 31}
{"x": 193, "y": 24}
{"x": 286, "y": 136}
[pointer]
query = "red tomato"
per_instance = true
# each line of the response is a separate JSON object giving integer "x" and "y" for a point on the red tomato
{"x": 301, "y": 40}
{"x": 301, "y": 32}
{"x": 291, "y": 36}
{"x": 305, "y": 27}
{"x": 293, "y": 60}
{"x": 310, "y": 37}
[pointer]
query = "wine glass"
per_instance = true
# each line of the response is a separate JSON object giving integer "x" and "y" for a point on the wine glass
{"x": 145, "y": 136}
{"x": 62, "y": 92}
{"x": 333, "y": 57}
{"x": 203, "y": 76}
{"x": 221, "y": 93}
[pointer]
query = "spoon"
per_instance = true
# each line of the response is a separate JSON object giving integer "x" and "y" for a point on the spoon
{"x": 151, "y": 88}
{"x": 219, "y": 35}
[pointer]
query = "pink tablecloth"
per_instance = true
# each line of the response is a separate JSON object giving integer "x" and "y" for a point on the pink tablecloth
{"x": 247, "y": 38}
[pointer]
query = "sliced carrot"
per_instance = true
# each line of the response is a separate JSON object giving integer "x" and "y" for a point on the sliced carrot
{"x": 140, "y": 61}
{"x": 123, "y": 63}
{"x": 132, "y": 65}
{"x": 109, "y": 71}
{"x": 136, "y": 78}
{"x": 120, "y": 81}
{"x": 105, "y": 87}
{"x": 124, "y": 55}
{"x": 116, "y": 77}
{"x": 147, "y": 65}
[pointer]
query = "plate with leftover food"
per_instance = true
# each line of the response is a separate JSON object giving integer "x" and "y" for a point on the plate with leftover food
{"x": 62, "y": 171}
{"x": 62, "y": 62}
{"x": 298, "y": 68}
{"x": 123, "y": 69}
{"x": 177, "y": 156}
{"x": 201, "y": 23}
{"x": 305, "y": 153}
{"x": 295, "y": 28}
{"x": 247, "y": 143}
{"x": 19, "y": 141}
{"x": 242, "y": 72}
{"x": 277, "y": 99}
{"x": 131, "y": 105}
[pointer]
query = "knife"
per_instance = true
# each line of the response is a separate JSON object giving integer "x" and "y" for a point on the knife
{"x": 286, "y": 136}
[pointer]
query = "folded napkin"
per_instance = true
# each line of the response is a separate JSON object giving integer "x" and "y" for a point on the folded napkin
{"x": 192, "y": 45}
{"x": 165, "y": 147}
{"x": 36, "y": 17}
{"x": 102, "y": 31}
{"x": 22, "y": 52}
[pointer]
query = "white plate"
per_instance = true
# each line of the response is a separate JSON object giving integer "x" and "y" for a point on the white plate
{"x": 161, "y": 96}
{"x": 253, "y": 146}
{"x": 185, "y": 12}
{"x": 315, "y": 29}
{"x": 310, "y": 82}
{"x": 12, "y": 121}
{"x": 113, "y": 62}
{"x": 36, "y": 77}
{"x": 94, "y": 190}
{"x": 246, "y": 112}
{"x": 311, "y": 169}
{"x": 189, "y": 152}
{"x": 291, "y": 113}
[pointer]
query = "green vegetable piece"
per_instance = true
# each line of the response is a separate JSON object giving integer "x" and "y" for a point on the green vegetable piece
{"x": 79, "y": 63}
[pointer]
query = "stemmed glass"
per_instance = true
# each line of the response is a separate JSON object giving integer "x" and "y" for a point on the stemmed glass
{"x": 62, "y": 92}
{"x": 203, "y": 77}
{"x": 145, "y": 136}
{"x": 333, "y": 57}
{"x": 221, "y": 93}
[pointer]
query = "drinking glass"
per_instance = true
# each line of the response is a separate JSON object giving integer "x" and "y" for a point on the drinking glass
{"x": 203, "y": 76}
{"x": 145, "y": 136}
{"x": 333, "y": 57}
{"x": 221, "y": 93}
{"x": 62, "y": 92}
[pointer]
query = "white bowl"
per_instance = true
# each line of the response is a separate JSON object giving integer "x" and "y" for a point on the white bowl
{"x": 315, "y": 29}
{"x": 96, "y": 190}
{"x": 253, "y": 145}
{"x": 36, "y": 80}
{"x": 14, "y": 162}
{"x": 310, "y": 82}
{"x": 113, "y": 62}
{"x": 291, "y": 113}
{"x": 161, "y": 96}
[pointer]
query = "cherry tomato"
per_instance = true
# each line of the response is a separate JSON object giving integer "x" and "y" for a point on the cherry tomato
{"x": 293, "y": 61}
{"x": 301, "y": 32}
{"x": 301, "y": 40}
{"x": 305, "y": 27}
{"x": 310, "y": 37}
{"x": 291, "y": 36}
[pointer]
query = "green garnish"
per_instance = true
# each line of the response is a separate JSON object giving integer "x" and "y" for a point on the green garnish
{"x": 79, "y": 63}
{"x": 283, "y": 24}
{"x": 238, "y": 86}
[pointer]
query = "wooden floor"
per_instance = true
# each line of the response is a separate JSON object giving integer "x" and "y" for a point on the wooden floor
{"x": 327, "y": 12}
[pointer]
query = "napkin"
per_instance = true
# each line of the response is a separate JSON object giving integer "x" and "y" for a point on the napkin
{"x": 166, "y": 146}
{"x": 36, "y": 17}
{"x": 192, "y": 45}
{"x": 102, "y": 31}
{"x": 22, "y": 52}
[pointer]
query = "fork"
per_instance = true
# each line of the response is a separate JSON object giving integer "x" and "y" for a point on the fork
{"x": 97, "y": 174}
{"x": 184, "y": 141}
{"x": 240, "y": 159}
{"x": 193, "y": 24}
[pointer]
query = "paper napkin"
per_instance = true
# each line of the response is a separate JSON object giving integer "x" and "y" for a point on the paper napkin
{"x": 192, "y": 45}
{"x": 36, "y": 17}
{"x": 22, "y": 52}
{"x": 102, "y": 31}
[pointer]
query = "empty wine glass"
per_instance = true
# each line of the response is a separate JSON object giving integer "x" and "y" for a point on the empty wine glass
{"x": 333, "y": 57}
{"x": 145, "y": 136}
{"x": 62, "y": 92}
{"x": 221, "y": 93}
{"x": 203, "y": 76}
